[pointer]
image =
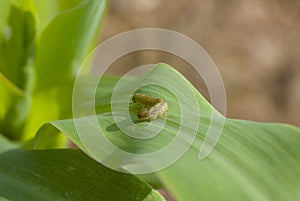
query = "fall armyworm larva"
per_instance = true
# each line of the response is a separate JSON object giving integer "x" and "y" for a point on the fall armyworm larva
{"x": 152, "y": 107}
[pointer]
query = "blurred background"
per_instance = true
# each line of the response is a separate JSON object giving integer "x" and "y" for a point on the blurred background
{"x": 255, "y": 45}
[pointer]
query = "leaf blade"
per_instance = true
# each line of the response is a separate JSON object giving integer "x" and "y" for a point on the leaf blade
{"x": 252, "y": 161}
{"x": 59, "y": 175}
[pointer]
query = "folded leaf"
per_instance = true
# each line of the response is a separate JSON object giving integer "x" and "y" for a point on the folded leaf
{"x": 251, "y": 161}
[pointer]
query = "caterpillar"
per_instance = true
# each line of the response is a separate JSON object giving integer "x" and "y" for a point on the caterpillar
{"x": 152, "y": 107}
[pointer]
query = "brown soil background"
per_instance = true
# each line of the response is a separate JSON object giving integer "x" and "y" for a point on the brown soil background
{"x": 255, "y": 45}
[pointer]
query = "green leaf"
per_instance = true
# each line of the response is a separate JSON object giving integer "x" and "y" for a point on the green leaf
{"x": 66, "y": 41}
{"x": 46, "y": 10}
{"x": 6, "y": 145}
{"x": 61, "y": 48}
{"x": 54, "y": 139}
{"x": 8, "y": 93}
{"x": 66, "y": 175}
{"x": 16, "y": 47}
{"x": 12, "y": 113}
{"x": 3, "y": 199}
{"x": 4, "y": 12}
{"x": 251, "y": 161}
